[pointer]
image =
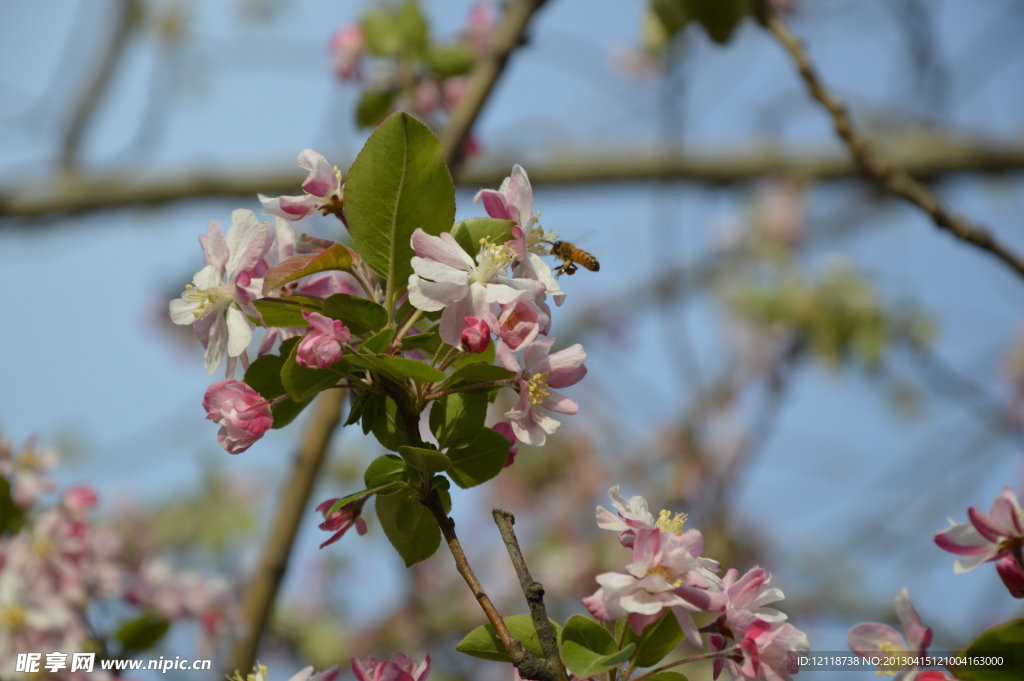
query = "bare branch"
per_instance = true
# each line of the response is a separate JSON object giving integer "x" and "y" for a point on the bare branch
{"x": 895, "y": 180}
{"x": 927, "y": 155}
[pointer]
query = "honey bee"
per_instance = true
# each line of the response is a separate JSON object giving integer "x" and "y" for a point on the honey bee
{"x": 572, "y": 256}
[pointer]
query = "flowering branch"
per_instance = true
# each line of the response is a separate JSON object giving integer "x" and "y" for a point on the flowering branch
{"x": 534, "y": 593}
{"x": 686, "y": 660}
{"x": 895, "y": 180}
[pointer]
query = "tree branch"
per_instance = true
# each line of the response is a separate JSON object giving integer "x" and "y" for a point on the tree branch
{"x": 261, "y": 590}
{"x": 895, "y": 180}
{"x": 928, "y": 156}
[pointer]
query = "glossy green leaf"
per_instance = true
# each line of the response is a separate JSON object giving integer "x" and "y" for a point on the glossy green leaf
{"x": 378, "y": 343}
{"x": 451, "y": 60}
{"x": 380, "y": 416}
{"x": 264, "y": 376}
{"x": 487, "y": 357}
{"x": 667, "y": 676}
{"x": 337, "y": 257}
{"x": 355, "y": 496}
{"x": 480, "y": 460}
{"x": 589, "y": 634}
{"x": 382, "y": 34}
{"x": 427, "y": 342}
{"x": 469, "y": 232}
{"x": 584, "y": 663}
{"x": 656, "y": 641}
{"x": 457, "y": 419}
{"x": 478, "y": 372}
{"x": 483, "y": 641}
{"x": 674, "y": 15}
{"x": 356, "y": 402}
{"x": 141, "y": 633}
{"x": 397, "y": 184}
{"x": 429, "y": 461}
{"x": 1004, "y": 640}
{"x": 720, "y": 17}
{"x": 360, "y": 315}
{"x": 374, "y": 106}
{"x": 413, "y": 28}
{"x": 415, "y": 543}
{"x": 384, "y": 471}
{"x": 304, "y": 384}
{"x": 400, "y": 368}
{"x": 286, "y": 312}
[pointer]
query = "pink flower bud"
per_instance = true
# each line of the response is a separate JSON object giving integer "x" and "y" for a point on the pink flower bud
{"x": 476, "y": 337}
{"x": 506, "y": 430}
{"x": 342, "y": 519}
{"x": 80, "y": 497}
{"x": 242, "y": 413}
{"x": 401, "y": 668}
{"x": 347, "y": 45}
{"x": 321, "y": 348}
{"x": 1012, "y": 575}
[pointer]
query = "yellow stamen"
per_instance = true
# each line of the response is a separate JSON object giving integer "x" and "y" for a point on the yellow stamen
{"x": 669, "y": 524}
{"x": 12, "y": 618}
{"x": 205, "y": 300}
{"x": 538, "y": 388}
{"x": 511, "y": 322}
{"x": 674, "y": 582}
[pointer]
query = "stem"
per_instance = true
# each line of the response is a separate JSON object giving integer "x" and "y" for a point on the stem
{"x": 896, "y": 181}
{"x": 485, "y": 384}
{"x": 695, "y": 658}
{"x": 534, "y": 593}
{"x": 413, "y": 318}
{"x": 291, "y": 302}
{"x": 451, "y": 360}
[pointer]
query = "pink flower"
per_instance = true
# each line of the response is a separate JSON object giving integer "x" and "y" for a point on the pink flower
{"x": 79, "y": 498}
{"x": 308, "y": 675}
{"x": 480, "y": 27}
{"x": 633, "y": 515}
{"x": 401, "y": 669}
{"x": 342, "y": 519}
{"x": 321, "y": 347}
{"x": 446, "y": 278}
{"x": 520, "y": 321}
{"x": 347, "y": 46}
{"x": 323, "y": 187}
{"x": 529, "y": 419}
{"x": 28, "y": 469}
{"x": 667, "y": 572}
{"x": 243, "y": 414}
{"x": 454, "y": 90}
{"x": 747, "y": 596}
{"x": 1013, "y": 577}
{"x": 770, "y": 651}
{"x": 873, "y": 638}
{"x": 476, "y": 337}
{"x": 427, "y": 95}
{"x": 506, "y": 430}
{"x": 986, "y": 537}
{"x": 219, "y": 304}
{"x": 513, "y": 200}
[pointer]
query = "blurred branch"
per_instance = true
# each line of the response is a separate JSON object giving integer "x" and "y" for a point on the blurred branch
{"x": 928, "y": 155}
{"x": 895, "y": 180}
{"x": 262, "y": 588}
{"x": 85, "y": 107}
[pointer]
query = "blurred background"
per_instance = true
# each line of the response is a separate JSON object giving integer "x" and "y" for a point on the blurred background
{"x": 807, "y": 366}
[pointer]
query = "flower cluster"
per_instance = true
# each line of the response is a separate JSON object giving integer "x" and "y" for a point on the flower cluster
{"x": 669, "y": 573}
{"x": 57, "y": 567}
{"x": 873, "y": 639}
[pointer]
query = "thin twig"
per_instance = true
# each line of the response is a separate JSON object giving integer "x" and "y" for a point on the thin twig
{"x": 895, "y": 180}
{"x": 534, "y": 593}
{"x": 261, "y": 590}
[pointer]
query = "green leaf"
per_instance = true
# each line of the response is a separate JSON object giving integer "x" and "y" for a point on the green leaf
{"x": 380, "y": 29}
{"x": 667, "y": 676}
{"x": 1004, "y": 640}
{"x": 457, "y": 419}
{"x": 428, "y": 342}
{"x": 487, "y": 357}
{"x": 356, "y": 402}
{"x": 380, "y": 416}
{"x": 674, "y": 15}
{"x": 429, "y": 461}
{"x": 720, "y": 17}
{"x": 478, "y": 372}
{"x": 415, "y": 543}
{"x": 656, "y": 641}
{"x": 398, "y": 183}
{"x": 286, "y": 314}
{"x": 483, "y": 641}
{"x": 451, "y": 60}
{"x": 337, "y": 257}
{"x": 589, "y": 634}
{"x": 264, "y": 376}
{"x": 584, "y": 663}
{"x": 480, "y": 460}
{"x": 141, "y": 633}
{"x": 373, "y": 106}
{"x": 385, "y": 471}
{"x": 402, "y": 368}
{"x": 378, "y": 343}
{"x": 304, "y": 384}
{"x": 12, "y": 516}
{"x": 413, "y": 28}
{"x": 359, "y": 495}
{"x": 360, "y": 315}
{"x": 408, "y": 513}
{"x": 469, "y": 232}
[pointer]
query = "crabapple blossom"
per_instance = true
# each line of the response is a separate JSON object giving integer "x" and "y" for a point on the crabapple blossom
{"x": 219, "y": 302}
{"x": 1012, "y": 575}
{"x": 324, "y": 191}
{"x": 402, "y": 668}
{"x": 667, "y": 572}
{"x": 446, "y": 278}
{"x": 871, "y": 638}
{"x": 747, "y": 595}
{"x": 342, "y": 519}
{"x": 520, "y": 321}
{"x": 321, "y": 347}
{"x": 506, "y": 430}
{"x": 513, "y": 200}
{"x": 347, "y": 45}
{"x": 770, "y": 651}
{"x": 529, "y": 420}
{"x": 242, "y": 413}
{"x": 480, "y": 27}
{"x": 260, "y": 673}
{"x": 987, "y": 537}
{"x": 476, "y": 337}
{"x": 633, "y": 515}
{"x": 28, "y": 469}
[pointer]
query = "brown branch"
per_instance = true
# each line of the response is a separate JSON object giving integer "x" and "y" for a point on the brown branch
{"x": 534, "y": 593}
{"x": 895, "y": 180}
{"x": 929, "y": 156}
{"x": 261, "y": 590}
{"x": 98, "y": 82}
